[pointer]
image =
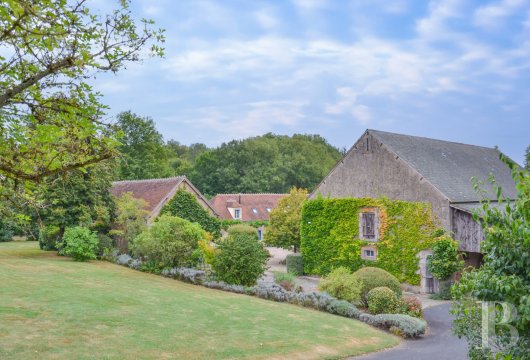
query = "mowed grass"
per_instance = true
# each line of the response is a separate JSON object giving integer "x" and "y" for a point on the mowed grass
{"x": 54, "y": 308}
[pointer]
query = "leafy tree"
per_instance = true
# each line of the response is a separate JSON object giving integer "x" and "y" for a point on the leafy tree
{"x": 169, "y": 242}
{"x": 284, "y": 228}
{"x": 186, "y": 206}
{"x": 50, "y": 117}
{"x": 80, "y": 243}
{"x": 269, "y": 163}
{"x": 78, "y": 198}
{"x": 131, "y": 219}
{"x": 503, "y": 277}
{"x": 445, "y": 259}
{"x": 182, "y": 157}
{"x": 241, "y": 260}
{"x": 144, "y": 155}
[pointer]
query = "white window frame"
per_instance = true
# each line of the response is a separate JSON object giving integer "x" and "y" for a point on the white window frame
{"x": 364, "y": 256}
{"x": 237, "y": 214}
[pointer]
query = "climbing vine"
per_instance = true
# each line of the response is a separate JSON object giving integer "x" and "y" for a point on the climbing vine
{"x": 186, "y": 206}
{"x": 330, "y": 235}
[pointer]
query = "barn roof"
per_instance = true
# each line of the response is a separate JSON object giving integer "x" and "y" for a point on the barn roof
{"x": 449, "y": 166}
{"x": 156, "y": 192}
{"x": 253, "y": 206}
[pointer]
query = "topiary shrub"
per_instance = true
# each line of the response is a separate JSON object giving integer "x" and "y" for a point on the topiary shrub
{"x": 242, "y": 229}
{"x": 241, "y": 260}
{"x": 343, "y": 285}
{"x": 295, "y": 264}
{"x": 374, "y": 277}
{"x": 80, "y": 243}
{"x": 169, "y": 242}
{"x": 382, "y": 300}
{"x": 186, "y": 206}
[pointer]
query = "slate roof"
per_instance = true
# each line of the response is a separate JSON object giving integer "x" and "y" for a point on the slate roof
{"x": 449, "y": 166}
{"x": 253, "y": 206}
{"x": 156, "y": 192}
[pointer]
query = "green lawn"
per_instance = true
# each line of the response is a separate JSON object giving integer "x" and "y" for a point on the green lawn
{"x": 54, "y": 308}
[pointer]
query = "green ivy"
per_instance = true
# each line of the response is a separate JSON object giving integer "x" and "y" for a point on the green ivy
{"x": 330, "y": 235}
{"x": 186, "y": 206}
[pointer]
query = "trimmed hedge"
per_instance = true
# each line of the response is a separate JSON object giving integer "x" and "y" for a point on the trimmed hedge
{"x": 295, "y": 264}
{"x": 382, "y": 300}
{"x": 330, "y": 235}
{"x": 185, "y": 206}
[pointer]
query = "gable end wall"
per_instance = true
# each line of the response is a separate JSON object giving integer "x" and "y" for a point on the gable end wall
{"x": 379, "y": 172}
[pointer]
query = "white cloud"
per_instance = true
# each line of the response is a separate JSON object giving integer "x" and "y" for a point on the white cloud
{"x": 310, "y": 4}
{"x": 491, "y": 16}
{"x": 266, "y": 18}
{"x": 348, "y": 104}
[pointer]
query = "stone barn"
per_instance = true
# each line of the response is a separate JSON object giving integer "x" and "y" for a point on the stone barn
{"x": 411, "y": 168}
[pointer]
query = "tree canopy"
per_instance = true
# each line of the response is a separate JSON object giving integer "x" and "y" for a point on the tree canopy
{"x": 268, "y": 163}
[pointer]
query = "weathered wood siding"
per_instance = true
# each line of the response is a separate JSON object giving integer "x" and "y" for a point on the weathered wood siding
{"x": 466, "y": 231}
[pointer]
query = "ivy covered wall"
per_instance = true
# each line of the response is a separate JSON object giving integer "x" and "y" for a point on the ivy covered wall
{"x": 330, "y": 235}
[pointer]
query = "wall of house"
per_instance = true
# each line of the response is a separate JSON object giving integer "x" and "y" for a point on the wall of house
{"x": 466, "y": 231}
{"x": 376, "y": 172}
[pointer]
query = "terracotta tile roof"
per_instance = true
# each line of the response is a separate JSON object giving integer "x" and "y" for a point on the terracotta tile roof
{"x": 154, "y": 191}
{"x": 253, "y": 206}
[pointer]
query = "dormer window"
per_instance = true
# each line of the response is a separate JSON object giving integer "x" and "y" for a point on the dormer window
{"x": 255, "y": 211}
{"x": 368, "y": 225}
{"x": 237, "y": 214}
{"x": 269, "y": 210}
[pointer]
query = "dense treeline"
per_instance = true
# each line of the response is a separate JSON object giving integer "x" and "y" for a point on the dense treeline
{"x": 268, "y": 163}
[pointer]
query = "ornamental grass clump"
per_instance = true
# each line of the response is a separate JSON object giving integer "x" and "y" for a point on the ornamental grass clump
{"x": 343, "y": 285}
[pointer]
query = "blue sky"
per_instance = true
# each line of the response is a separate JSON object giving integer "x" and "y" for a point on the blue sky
{"x": 453, "y": 70}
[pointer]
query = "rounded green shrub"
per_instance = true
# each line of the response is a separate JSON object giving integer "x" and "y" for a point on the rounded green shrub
{"x": 80, "y": 243}
{"x": 242, "y": 229}
{"x": 295, "y": 264}
{"x": 343, "y": 285}
{"x": 169, "y": 242}
{"x": 382, "y": 300}
{"x": 372, "y": 277}
{"x": 445, "y": 259}
{"x": 241, "y": 260}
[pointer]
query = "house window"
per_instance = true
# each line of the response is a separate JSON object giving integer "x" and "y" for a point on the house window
{"x": 368, "y": 226}
{"x": 368, "y": 253}
{"x": 268, "y": 209}
{"x": 237, "y": 214}
{"x": 260, "y": 234}
{"x": 255, "y": 211}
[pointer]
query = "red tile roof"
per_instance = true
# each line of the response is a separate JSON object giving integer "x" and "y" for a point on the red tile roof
{"x": 253, "y": 206}
{"x": 154, "y": 191}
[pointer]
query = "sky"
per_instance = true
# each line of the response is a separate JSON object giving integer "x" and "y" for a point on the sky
{"x": 446, "y": 69}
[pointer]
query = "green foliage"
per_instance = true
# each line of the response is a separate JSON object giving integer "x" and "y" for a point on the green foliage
{"x": 241, "y": 260}
{"x": 49, "y": 237}
{"x": 444, "y": 290}
{"x": 242, "y": 229}
{"x": 80, "y": 243}
{"x": 7, "y": 230}
{"x": 382, "y": 300}
{"x": 285, "y": 280}
{"x": 49, "y": 114}
{"x": 78, "y": 198}
{"x": 504, "y": 275}
{"x": 295, "y": 264}
{"x": 169, "y": 242}
{"x": 284, "y": 229}
{"x": 372, "y": 278}
{"x": 131, "y": 217}
{"x": 182, "y": 157}
{"x": 268, "y": 163}
{"x": 225, "y": 224}
{"x": 186, "y": 206}
{"x": 330, "y": 235}
{"x": 412, "y": 306}
{"x": 445, "y": 259}
{"x": 144, "y": 155}
{"x": 343, "y": 285}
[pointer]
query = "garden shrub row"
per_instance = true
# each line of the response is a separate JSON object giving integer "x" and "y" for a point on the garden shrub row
{"x": 330, "y": 235}
{"x": 295, "y": 264}
{"x": 403, "y": 325}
